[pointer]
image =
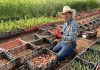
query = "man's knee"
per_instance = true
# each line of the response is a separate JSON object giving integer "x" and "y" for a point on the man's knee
{"x": 65, "y": 53}
{"x": 56, "y": 49}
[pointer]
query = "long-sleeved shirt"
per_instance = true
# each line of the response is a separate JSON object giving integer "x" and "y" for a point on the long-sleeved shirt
{"x": 69, "y": 30}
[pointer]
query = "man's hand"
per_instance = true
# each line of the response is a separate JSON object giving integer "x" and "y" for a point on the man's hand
{"x": 1, "y": 49}
{"x": 98, "y": 67}
{"x": 58, "y": 28}
{"x": 57, "y": 40}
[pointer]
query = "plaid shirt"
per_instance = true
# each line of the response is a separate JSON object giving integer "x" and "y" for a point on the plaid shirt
{"x": 69, "y": 30}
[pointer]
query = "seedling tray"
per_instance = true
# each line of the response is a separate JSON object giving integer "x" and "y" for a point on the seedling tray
{"x": 90, "y": 55}
{"x": 12, "y": 44}
{"x": 41, "y": 59}
{"x": 22, "y": 51}
{"x": 49, "y": 28}
{"x": 98, "y": 41}
{"x": 8, "y": 34}
{"x": 31, "y": 38}
{"x": 23, "y": 67}
{"x": 43, "y": 42}
{"x": 7, "y": 62}
{"x": 65, "y": 61}
{"x": 78, "y": 64}
{"x": 4, "y": 34}
{"x": 45, "y": 33}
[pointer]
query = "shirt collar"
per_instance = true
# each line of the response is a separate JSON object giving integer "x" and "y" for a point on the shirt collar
{"x": 69, "y": 21}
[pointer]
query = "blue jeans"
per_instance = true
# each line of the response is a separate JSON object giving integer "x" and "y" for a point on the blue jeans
{"x": 63, "y": 49}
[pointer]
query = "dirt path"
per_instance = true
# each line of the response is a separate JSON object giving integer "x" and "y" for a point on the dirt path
{"x": 83, "y": 44}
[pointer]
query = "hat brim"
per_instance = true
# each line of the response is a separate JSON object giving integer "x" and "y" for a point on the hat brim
{"x": 72, "y": 10}
{"x": 64, "y": 12}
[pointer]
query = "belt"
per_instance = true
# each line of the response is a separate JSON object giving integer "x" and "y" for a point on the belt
{"x": 73, "y": 43}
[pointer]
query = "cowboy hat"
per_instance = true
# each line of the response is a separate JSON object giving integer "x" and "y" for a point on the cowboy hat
{"x": 68, "y": 9}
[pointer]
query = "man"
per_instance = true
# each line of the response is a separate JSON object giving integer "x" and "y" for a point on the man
{"x": 69, "y": 31}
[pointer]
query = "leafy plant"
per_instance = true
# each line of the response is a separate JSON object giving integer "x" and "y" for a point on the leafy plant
{"x": 96, "y": 47}
{"x": 91, "y": 56}
{"x": 77, "y": 65}
{"x": 24, "y": 23}
{"x": 35, "y": 8}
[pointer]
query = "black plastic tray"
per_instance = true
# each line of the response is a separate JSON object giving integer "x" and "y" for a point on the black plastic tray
{"x": 19, "y": 49}
{"x": 90, "y": 57}
{"x": 43, "y": 42}
{"x": 80, "y": 62}
{"x": 49, "y": 66}
{"x": 12, "y": 61}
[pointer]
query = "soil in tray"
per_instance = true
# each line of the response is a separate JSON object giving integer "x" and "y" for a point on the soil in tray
{"x": 49, "y": 36}
{"x": 42, "y": 60}
{"x": 41, "y": 44}
{"x": 43, "y": 33}
{"x": 83, "y": 43}
{"x": 11, "y": 44}
{"x": 22, "y": 52}
{"x": 3, "y": 61}
{"x": 30, "y": 38}
{"x": 44, "y": 45}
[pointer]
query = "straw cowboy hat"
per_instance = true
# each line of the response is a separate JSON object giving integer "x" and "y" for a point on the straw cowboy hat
{"x": 68, "y": 9}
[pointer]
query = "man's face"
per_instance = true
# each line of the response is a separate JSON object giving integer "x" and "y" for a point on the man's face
{"x": 66, "y": 15}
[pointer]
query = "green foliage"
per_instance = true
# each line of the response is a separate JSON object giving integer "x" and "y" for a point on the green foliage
{"x": 23, "y": 23}
{"x": 96, "y": 47}
{"x": 77, "y": 65}
{"x": 91, "y": 56}
{"x": 37, "y": 8}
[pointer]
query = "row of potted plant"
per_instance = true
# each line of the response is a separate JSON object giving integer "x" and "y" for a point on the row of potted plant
{"x": 12, "y": 28}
